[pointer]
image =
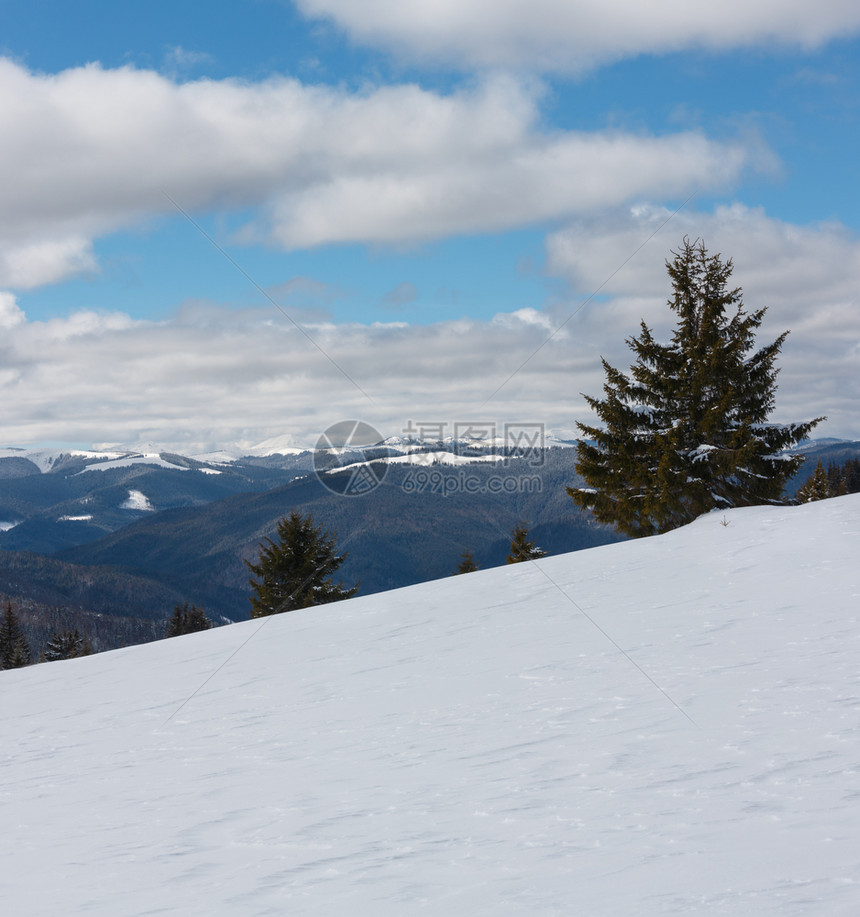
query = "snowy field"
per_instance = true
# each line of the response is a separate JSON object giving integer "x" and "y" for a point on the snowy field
{"x": 666, "y": 726}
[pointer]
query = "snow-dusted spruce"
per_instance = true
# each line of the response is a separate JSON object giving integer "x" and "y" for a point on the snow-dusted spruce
{"x": 686, "y": 432}
{"x": 296, "y": 571}
{"x": 521, "y": 548}
{"x": 66, "y": 644}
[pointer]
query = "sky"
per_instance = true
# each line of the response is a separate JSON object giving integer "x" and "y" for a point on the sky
{"x": 658, "y": 727}
{"x": 226, "y": 222}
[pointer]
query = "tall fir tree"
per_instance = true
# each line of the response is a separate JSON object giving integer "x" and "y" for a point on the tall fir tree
{"x": 687, "y": 431}
{"x": 14, "y": 649}
{"x": 521, "y": 548}
{"x": 296, "y": 570}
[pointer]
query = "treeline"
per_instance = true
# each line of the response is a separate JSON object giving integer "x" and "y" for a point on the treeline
{"x": 31, "y": 633}
{"x": 833, "y": 481}
{"x": 41, "y": 620}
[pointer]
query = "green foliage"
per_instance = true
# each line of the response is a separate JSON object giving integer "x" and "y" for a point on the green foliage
{"x": 296, "y": 571}
{"x": 521, "y": 548}
{"x": 67, "y": 644}
{"x": 467, "y": 563}
{"x": 686, "y": 432}
{"x": 14, "y": 649}
{"x": 844, "y": 478}
{"x": 187, "y": 621}
{"x": 816, "y": 487}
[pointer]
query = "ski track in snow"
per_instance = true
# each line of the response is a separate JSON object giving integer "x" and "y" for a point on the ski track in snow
{"x": 473, "y": 746}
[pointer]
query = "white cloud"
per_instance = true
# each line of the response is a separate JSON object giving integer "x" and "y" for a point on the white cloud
{"x": 807, "y": 276}
{"x": 42, "y": 261}
{"x": 93, "y": 150}
{"x": 573, "y": 35}
{"x": 10, "y": 313}
{"x": 212, "y": 375}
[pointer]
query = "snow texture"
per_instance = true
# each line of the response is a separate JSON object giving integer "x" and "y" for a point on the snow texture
{"x": 127, "y": 461}
{"x": 662, "y": 726}
{"x": 137, "y": 501}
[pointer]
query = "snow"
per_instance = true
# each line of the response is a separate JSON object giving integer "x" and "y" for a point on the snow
{"x": 441, "y": 458}
{"x": 75, "y": 518}
{"x": 45, "y": 459}
{"x": 5, "y": 526}
{"x": 662, "y": 726}
{"x": 137, "y": 501}
{"x": 424, "y": 459}
{"x": 285, "y": 444}
{"x": 126, "y": 461}
{"x": 220, "y": 457}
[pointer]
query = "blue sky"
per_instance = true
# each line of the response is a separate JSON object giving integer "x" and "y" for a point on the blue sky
{"x": 429, "y": 189}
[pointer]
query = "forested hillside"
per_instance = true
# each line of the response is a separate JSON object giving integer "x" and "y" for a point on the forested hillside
{"x": 403, "y": 532}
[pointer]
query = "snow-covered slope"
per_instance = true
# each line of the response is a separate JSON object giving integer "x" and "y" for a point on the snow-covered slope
{"x": 666, "y": 726}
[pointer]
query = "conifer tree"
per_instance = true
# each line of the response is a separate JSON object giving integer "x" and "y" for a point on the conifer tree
{"x": 176, "y": 625}
{"x": 296, "y": 570}
{"x": 686, "y": 432}
{"x": 67, "y": 644}
{"x": 521, "y": 548}
{"x": 817, "y": 487}
{"x": 467, "y": 563}
{"x": 14, "y": 649}
{"x": 187, "y": 621}
{"x": 844, "y": 478}
{"x": 197, "y": 620}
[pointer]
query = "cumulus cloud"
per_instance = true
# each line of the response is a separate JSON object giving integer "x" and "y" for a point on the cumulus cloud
{"x": 93, "y": 150}
{"x": 573, "y": 35}
{"x": 10, "y": 313}
{"x": 212, "y": 375}
{"x": 246, "y": 375}
{"x": 45, "y": 260}
{"x": 808, "y": 277}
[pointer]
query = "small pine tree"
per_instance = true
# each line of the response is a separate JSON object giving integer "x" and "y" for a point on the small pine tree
{"x": 14, "y": 649}
{"x": 467, "y": 563}
{"x": 816, "y": 487}
{"x": 521, "y": 548}
{"x": 68, "y": 644}
{"x": 686, "y": 432}
{"x": 296, "y": 571}
{"x": 187, "y": 621}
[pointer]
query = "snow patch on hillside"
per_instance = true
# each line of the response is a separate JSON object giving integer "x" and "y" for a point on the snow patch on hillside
{"x": 126, "y": 461}
{"x": 46, "y": 459}
{"x": 137, "y": 501}
{"x": 423, "y": 459}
